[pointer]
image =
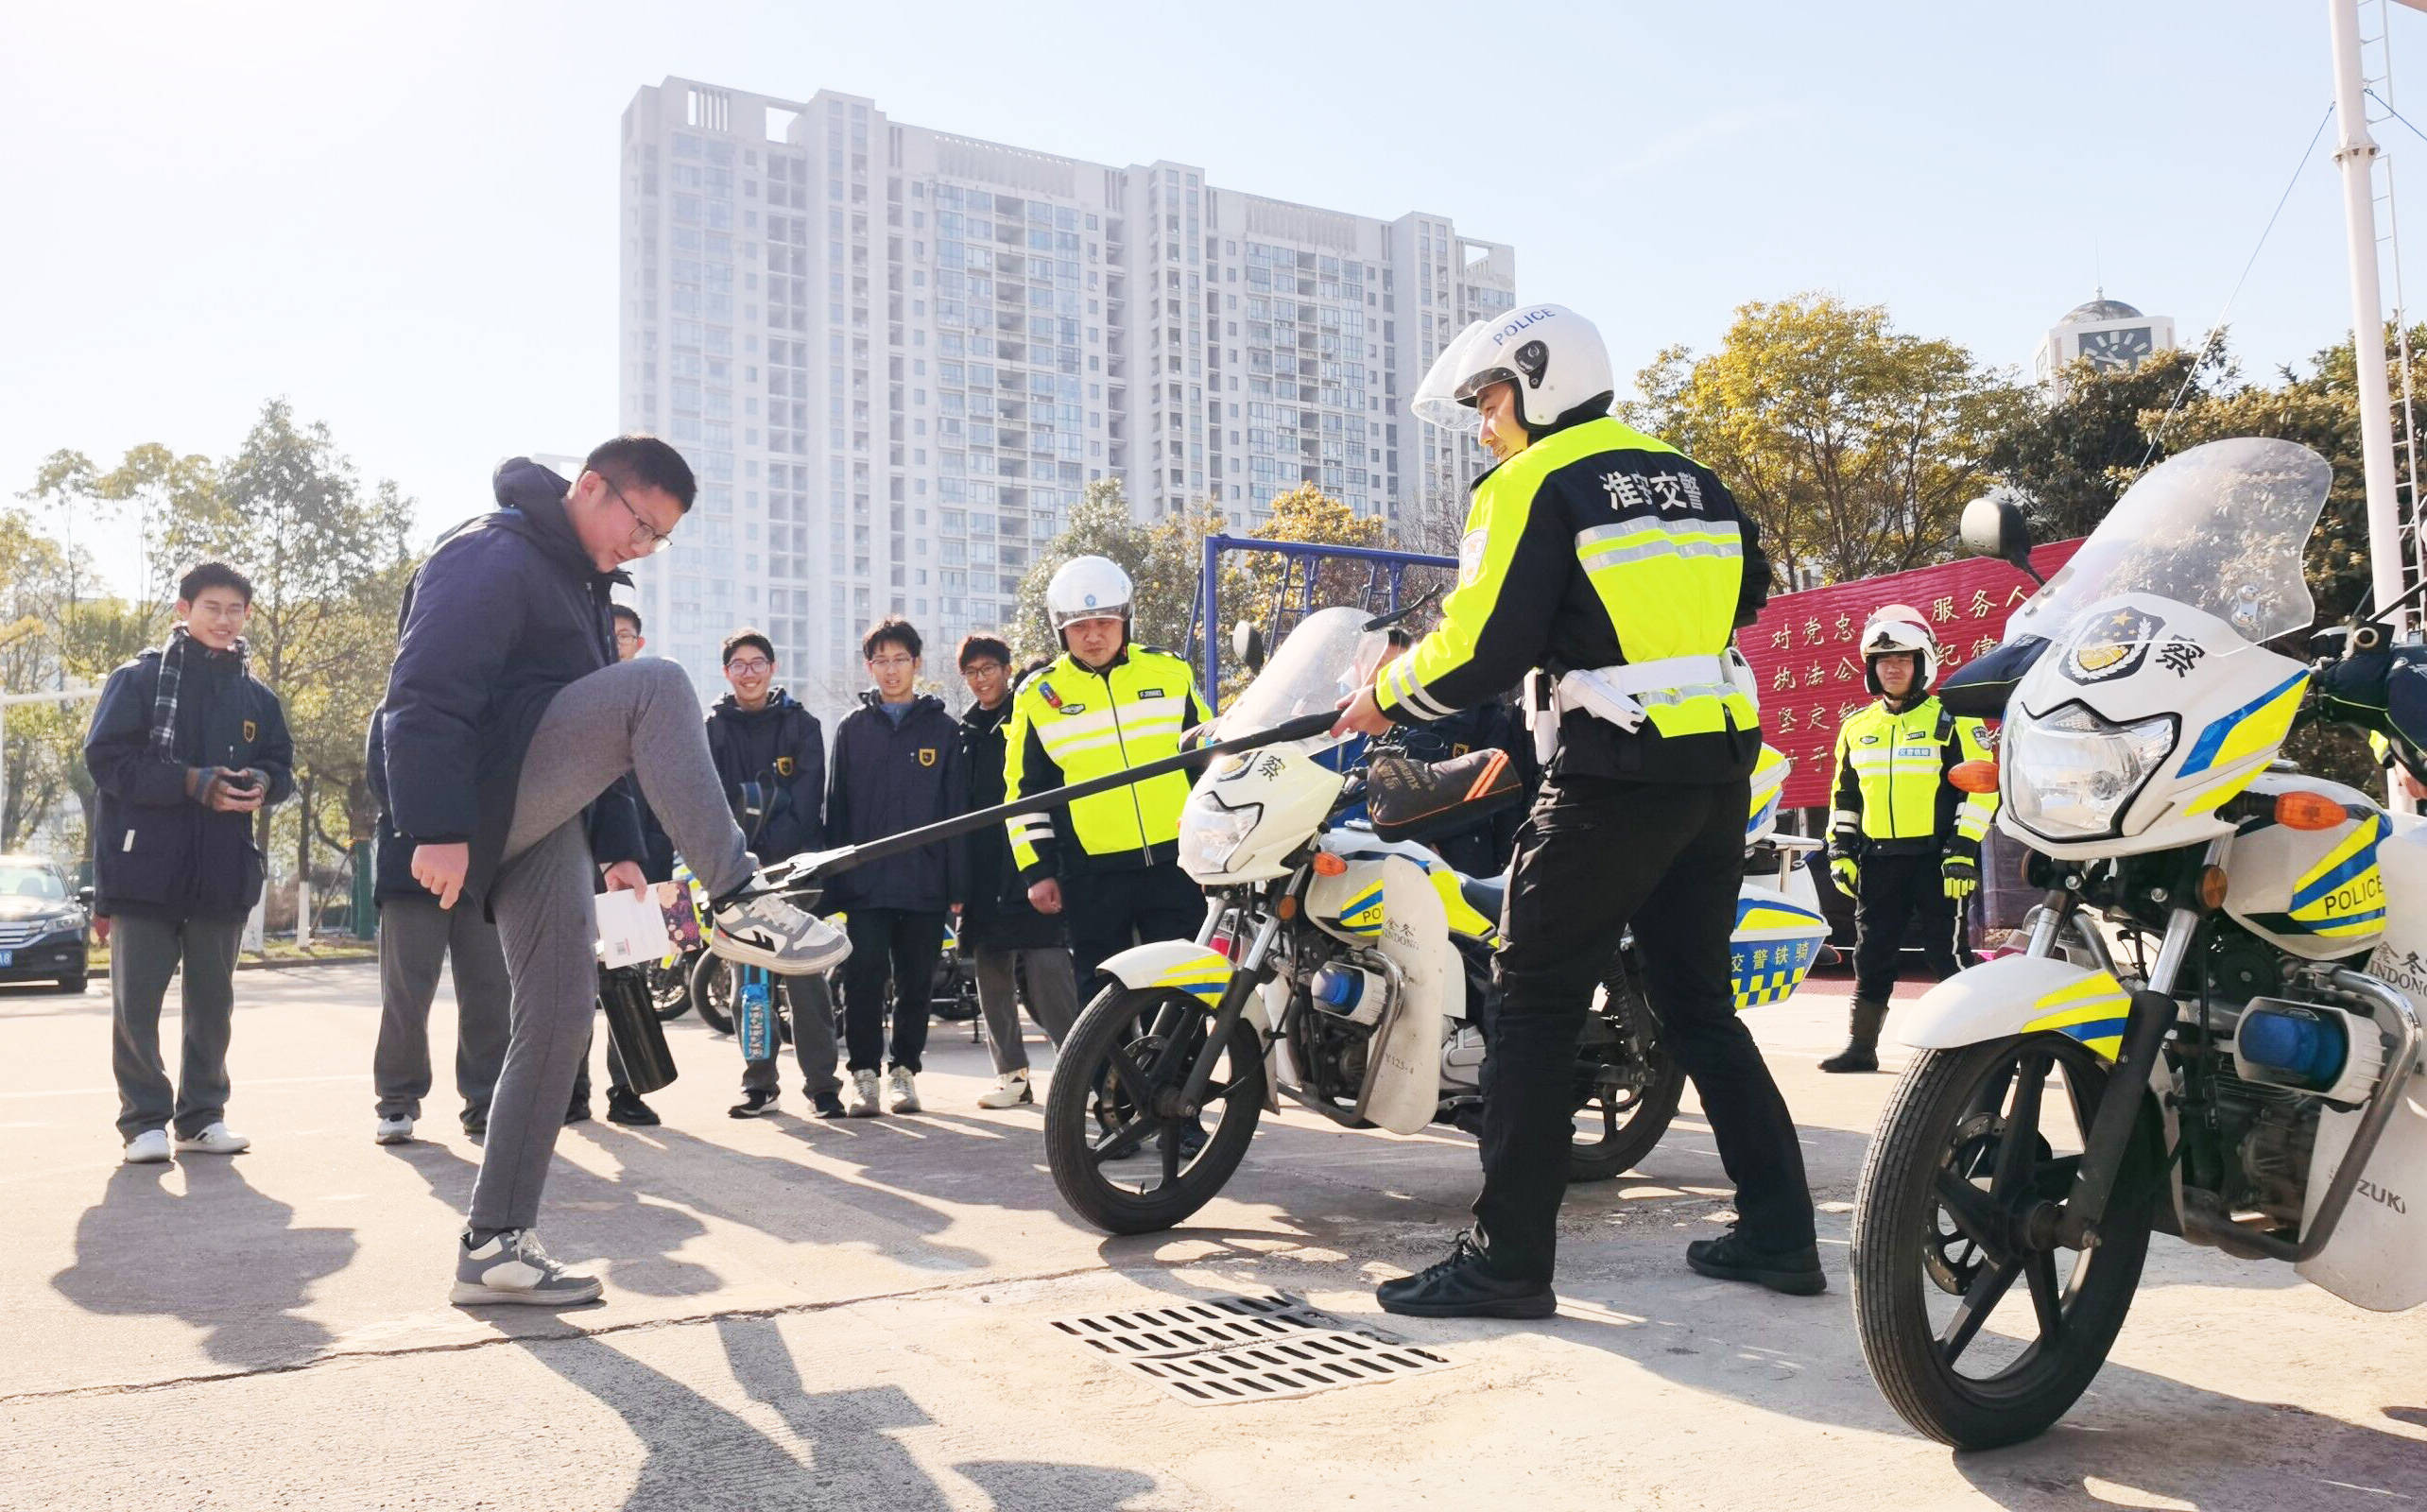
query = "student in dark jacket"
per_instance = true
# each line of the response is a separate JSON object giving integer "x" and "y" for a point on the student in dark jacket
{"x": 770, "y": 754}
{"x": 415, "y": 939}
{"x": 509, "y": 731}
{"x": 185, "y": 749}
{"x": 1017, "y": 951}
{"x": 896, "y": 766}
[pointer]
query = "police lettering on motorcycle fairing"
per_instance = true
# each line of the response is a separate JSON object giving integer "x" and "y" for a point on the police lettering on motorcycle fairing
{"x": 1615, "y": 570}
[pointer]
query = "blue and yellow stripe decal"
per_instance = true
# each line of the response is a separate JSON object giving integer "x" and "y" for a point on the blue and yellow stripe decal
{"x": 2343, "y": 896}
{"x": 1362, "y": 913}
{"x": 1202, "y": 978}
{"x": 2092, "y": 1011}
{"x": 2257, "y": 727}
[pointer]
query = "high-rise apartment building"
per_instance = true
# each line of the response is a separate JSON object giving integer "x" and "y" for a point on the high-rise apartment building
{"x": 895, "y": 355}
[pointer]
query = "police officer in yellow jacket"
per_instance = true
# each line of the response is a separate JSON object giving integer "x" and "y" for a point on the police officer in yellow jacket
{"x": 1904, "y": 840}
{"x": 1619, "y": 568}
{"x": 1111, "y": 861}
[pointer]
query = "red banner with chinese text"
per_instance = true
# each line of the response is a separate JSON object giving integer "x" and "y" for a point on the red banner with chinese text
{"x": 1803, "y": 648}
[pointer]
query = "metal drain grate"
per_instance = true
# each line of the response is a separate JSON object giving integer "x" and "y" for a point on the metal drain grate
{"x": 1296, "y": 1366}
{"x": 1194, "y": 1327}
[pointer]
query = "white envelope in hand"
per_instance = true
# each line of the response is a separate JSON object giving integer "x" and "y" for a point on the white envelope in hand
{"x": 631, "y": 929}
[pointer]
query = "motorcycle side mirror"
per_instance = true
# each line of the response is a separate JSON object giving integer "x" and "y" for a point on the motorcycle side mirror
{"x": 1248, "y": 644}
{"x": 84, "y": 896}
{"x": 1993, "y": 526}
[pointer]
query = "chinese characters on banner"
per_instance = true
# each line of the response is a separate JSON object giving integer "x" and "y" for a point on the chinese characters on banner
{"x": 1803, "y": 649}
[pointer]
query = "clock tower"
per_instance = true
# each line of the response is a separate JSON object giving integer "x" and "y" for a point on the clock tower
{"x": 2109, "y": 334}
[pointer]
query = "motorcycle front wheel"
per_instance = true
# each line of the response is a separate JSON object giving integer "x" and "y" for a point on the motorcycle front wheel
{"x": 1627, "y": 1085}
{"x": 1116, "y": 1137}
{"x": 1971, "y": 1141}
{"x": 670, "y": 988}
{"x": 712, "y": 991}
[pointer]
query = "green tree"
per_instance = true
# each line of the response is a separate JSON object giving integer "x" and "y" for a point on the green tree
{"x": 2072, "y": 455}
{"x": 1853, "y": 444}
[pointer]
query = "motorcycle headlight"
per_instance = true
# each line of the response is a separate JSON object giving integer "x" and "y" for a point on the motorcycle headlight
{"x": 2072, "y": 773}
{"x": 1210, "y": 831}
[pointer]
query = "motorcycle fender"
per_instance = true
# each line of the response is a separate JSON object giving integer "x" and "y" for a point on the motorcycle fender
{"x": 1403, "y": 1072}
{"x": 1190, "y": 968}
{"x": 2018, "y": 994}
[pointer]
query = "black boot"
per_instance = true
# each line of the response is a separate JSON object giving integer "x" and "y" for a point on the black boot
{"x": 1862, "y": 1050}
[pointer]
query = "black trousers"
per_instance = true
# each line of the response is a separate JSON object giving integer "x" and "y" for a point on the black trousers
{"x": 1895, "y": 893}
{"x": 1110, "y": 911}
{"x": 1598, "y": 854}
{"x": 905, "y": 944}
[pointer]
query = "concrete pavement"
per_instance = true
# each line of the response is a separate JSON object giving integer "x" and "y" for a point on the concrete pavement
{"x": 812, "y": 1314}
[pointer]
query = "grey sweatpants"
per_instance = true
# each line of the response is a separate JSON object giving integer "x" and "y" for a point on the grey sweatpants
{"x": 415, "y": 938}
{"x": 638, "y": 716}
{"x": 1052, "y": 991}
{"x": 813, "y": 1037}
{"x": 143, "y": 954}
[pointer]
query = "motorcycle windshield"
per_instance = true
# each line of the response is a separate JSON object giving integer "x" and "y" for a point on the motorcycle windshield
{"x": 2219, "y": 528}
{"x": 1329, "y": 656}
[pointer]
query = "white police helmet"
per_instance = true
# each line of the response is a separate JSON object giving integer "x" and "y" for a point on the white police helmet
{"x": 1554, "y": 355}
{"x": 1896, "y": 630}
{"x": 1087, "y": 588}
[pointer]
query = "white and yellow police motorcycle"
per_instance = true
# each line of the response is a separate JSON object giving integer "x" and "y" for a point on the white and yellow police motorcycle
{"x": 1345, "y": 966}
{"x": 2211, "y": 1032}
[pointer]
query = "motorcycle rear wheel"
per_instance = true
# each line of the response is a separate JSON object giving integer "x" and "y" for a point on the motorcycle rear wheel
{"x": 1116, "y": 1161}
{"x": 1966, "y": 1145}
{"x": 1626, "y": 1084}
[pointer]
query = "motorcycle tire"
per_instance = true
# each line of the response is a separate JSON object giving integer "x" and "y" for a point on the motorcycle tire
{"x": 670, "y": 986}
{"x": 1634, "y": 1091}
{"x": 1941, "y": 1138}
{"x": 1094, "y": 1112}
{"x": 712, "y": 991}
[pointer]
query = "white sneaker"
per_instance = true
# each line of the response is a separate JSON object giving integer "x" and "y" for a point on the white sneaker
{"x": 149, "y": 1148}
{"x": 216, "y": 1139}
{"x": 905, "y": 1093}
{"x": 865, "y": 1101}
{"x": 762, "y": 929}
{"x": 1011, "y": 1090}
{"x": 511, "y": 1267}
{"x": 397, "y": 1130}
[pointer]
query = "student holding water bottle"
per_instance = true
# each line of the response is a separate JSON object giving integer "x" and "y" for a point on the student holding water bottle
{"x": 770, "y": 754}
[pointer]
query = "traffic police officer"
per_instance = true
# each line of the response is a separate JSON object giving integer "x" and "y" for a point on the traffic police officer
{"x": 1904, "y": 840}
{"x": 1619, "y": 568}
{"x": 1111, "y": 861}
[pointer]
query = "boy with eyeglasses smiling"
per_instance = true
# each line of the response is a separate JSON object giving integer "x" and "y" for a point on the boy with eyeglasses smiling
{"x": 897, "y": 765}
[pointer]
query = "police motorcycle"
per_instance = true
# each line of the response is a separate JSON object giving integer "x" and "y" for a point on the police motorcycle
{"x": 2241, "y": 1071}
{"x": 1354, "y": 956}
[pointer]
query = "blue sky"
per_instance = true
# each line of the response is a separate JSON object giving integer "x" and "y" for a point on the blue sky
{"x": 402, "y": 216}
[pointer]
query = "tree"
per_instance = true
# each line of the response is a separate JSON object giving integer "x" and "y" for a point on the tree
{"x": 1854, "y": 445}
{"x": 2072, "y": 456}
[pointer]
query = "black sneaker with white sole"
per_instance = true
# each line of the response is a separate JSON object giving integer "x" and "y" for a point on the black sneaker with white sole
{"x": 754, "y": 1102}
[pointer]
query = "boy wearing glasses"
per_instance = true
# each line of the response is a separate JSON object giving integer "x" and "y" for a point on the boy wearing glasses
{"x": 897, "y": 765}
{"x": 762, "y": 738}
{"x": 510, "y": 733}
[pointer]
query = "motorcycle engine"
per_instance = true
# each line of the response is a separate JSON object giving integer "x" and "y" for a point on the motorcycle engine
{"x": 2273, "y": 1132}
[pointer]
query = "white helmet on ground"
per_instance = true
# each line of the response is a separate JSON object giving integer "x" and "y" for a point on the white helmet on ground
{"x": 1896, "y": 629}
{"x": 1087, "y": 588}
{"x": 1554, "y": 355}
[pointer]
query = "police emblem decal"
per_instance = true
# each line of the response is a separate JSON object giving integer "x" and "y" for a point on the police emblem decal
{"x": 2113, "y": 646}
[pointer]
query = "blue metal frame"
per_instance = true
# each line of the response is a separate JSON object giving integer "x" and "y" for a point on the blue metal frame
{"x": 1388, "y": 570}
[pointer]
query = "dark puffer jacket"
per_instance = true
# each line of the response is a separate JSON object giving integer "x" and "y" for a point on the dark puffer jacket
{"x": 508, "y": 611}
{"x": 997, "y": 915}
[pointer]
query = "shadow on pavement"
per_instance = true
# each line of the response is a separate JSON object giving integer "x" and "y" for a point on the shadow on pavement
{"x": 841, "y": 1452}
{"x": 214, "y": 1252}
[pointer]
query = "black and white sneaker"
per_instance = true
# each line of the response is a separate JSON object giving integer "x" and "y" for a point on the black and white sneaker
{"x": 754, "y": 1102}
{"x": 511, "y": 1267}
{"x": 759, "y": 928}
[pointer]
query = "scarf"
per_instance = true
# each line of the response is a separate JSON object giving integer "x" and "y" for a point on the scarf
{"x": 172, "y": 671}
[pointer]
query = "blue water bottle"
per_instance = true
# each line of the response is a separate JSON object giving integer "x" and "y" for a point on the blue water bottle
{"x": 753, "y": 1015}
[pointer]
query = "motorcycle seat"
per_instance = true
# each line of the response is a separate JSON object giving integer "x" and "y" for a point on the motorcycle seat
{"x": 1485, "y": 894}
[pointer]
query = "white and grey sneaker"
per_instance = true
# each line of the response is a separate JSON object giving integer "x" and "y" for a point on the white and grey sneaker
{"x": 906, "y": 1092}
{"x": 866, "y": 1102}
{"x": 215, "y": 1140}
{"x": 511, "y": 1267}
{"x": 396, "y": 1130}
{"x": 1011, "y": 1090}
{"x": 761, "y": 929}
{"x": 150, "y": 1147}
